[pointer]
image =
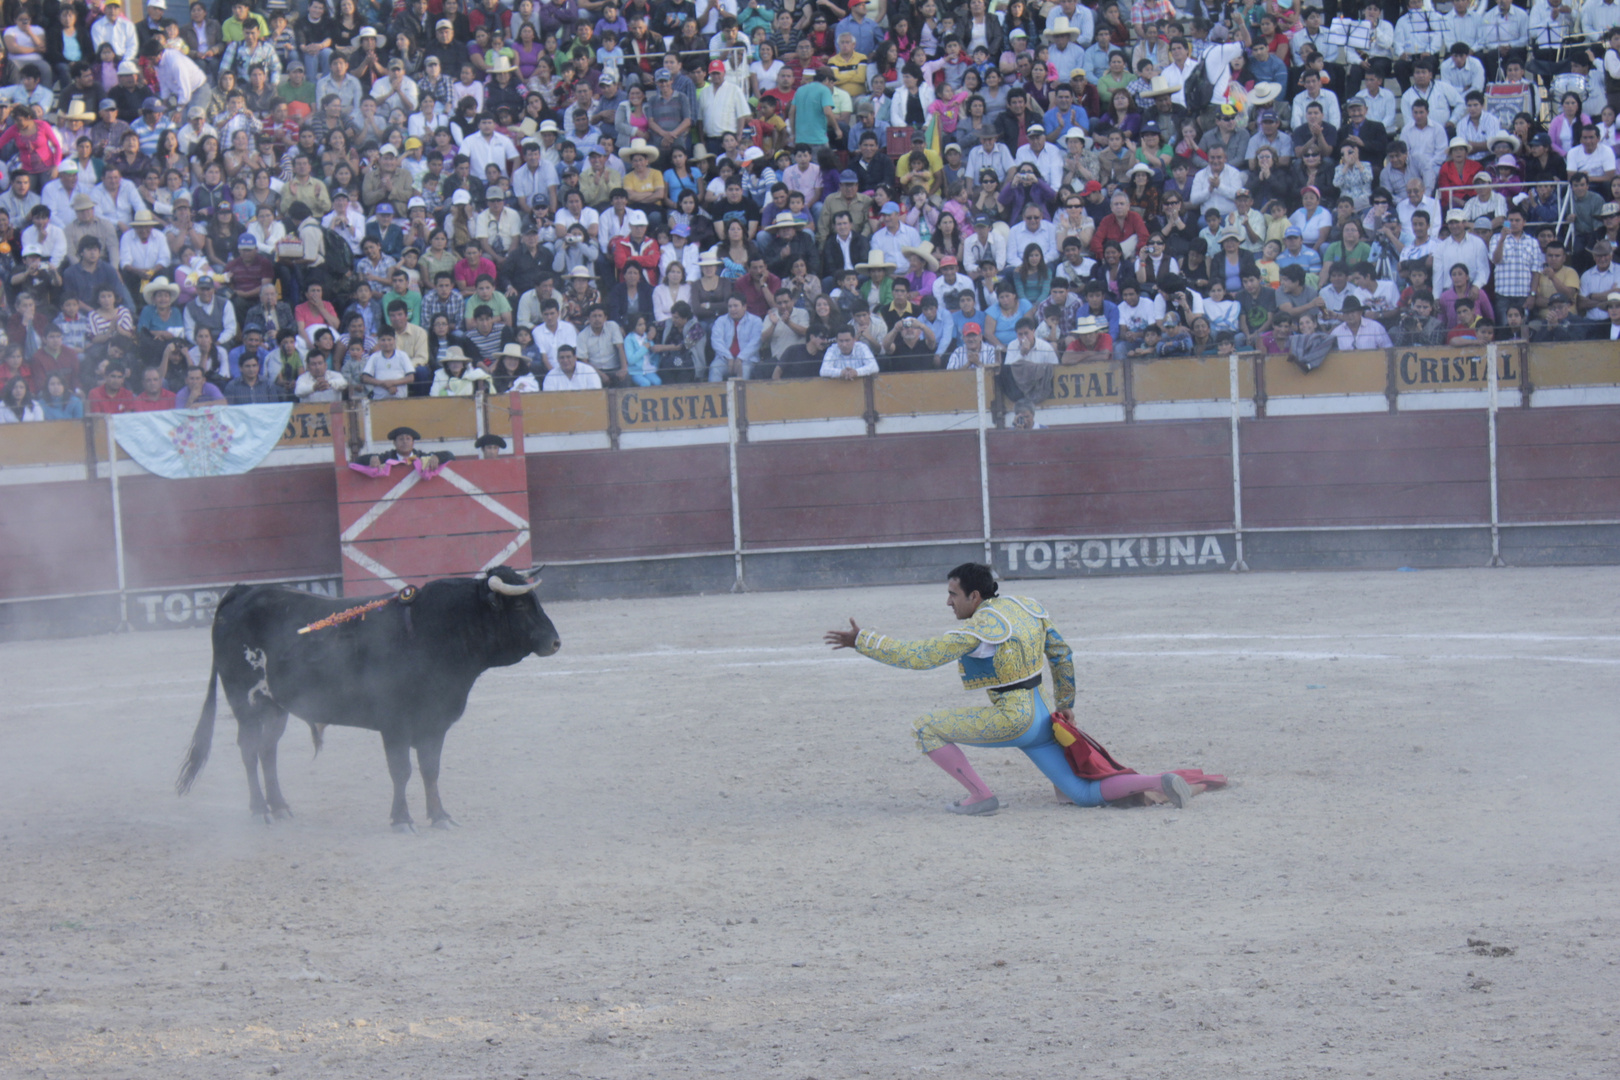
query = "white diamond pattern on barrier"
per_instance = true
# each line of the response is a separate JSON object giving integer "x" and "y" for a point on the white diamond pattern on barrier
{"x": 387, "y": 502}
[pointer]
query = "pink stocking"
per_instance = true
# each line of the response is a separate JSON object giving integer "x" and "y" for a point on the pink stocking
{"x": 1117, "y": 787}
{"x": 950, "y": 758}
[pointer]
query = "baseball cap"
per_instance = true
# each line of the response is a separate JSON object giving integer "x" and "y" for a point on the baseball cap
{"x": 461, "y": 198}
{"x": 663, "y": 75}
{"x": 129, "y": 67}
{"x": 635, "y": 217}
{"x": 1456, "y": 215}
{"x": 608, "y": 76}
{"x": 1293, "y": 230}
{"x": 1030, "y": 130}
{"x": 151, "y": 104}
{"x": 848, "y": 177}
{"x": 385, "y": 208}
{"x": 972, "y": 328}
{"x": 68, "y": 166}
{"x": 717, "y": 68}
{"x": 109, "y": 103}
{"x": 680, "y": 229}
{"x": 890, "y": 208}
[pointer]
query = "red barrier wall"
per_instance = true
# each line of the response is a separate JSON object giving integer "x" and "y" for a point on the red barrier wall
{"x": 1558, "y": 464}
{"x": 269, "y": 523}
{"x": 1157, "y": 476}
{"x": 1411, "y": 468}
{"x": 610, "y": 504}
{"x": 56, "y": 538}
{"x": 860, "y": 490}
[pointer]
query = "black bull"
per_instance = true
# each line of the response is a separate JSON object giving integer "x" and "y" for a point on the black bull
{"x": 403, "y": 670}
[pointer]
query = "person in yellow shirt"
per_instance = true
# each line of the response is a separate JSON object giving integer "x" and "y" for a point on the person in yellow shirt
{"x": 645, "y": 186}
{"x": 849, "y": 69}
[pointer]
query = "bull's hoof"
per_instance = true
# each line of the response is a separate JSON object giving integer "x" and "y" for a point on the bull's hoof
{"x": 404, "y": 826}
{"x": 446, "y": 822}
{"x": 282, "y": 813}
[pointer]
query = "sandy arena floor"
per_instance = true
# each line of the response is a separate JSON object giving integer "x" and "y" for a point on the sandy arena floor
{"x": 697, "y": 844}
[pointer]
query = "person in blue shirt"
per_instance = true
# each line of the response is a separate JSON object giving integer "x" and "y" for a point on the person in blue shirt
{"x": 1295, "y": 253}
{"x": 1001, "y": 321}
{"x": 868, "y": 34}
{"x": 249, "y": 389}
{"x": 1065, "y": 113}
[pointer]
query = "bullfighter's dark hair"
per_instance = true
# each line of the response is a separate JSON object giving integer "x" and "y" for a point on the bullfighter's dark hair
{"x": 974, "y": 578}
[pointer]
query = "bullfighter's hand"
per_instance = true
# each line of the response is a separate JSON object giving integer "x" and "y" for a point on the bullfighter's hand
{"x": 1065, "y": 715}
{"x": 842, "y": 639}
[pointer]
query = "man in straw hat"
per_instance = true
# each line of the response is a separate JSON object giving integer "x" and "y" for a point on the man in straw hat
{"x": 1063, "y": 50}
{"x": 143, "y": 251}
{"x": 786, "y": 242}
{"x": 160, "y": 322}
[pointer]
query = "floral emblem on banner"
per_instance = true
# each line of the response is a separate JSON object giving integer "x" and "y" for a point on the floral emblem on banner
{"x": 202, "y": 439}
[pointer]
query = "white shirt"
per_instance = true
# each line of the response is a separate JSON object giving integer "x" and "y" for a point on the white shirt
{"x": 723, "y": 110}
{"x": 891, "y": 243}
{"x": 355, "y": 222}
{"x": 497, "y": 149}
{"x": 133, "y": 254}
{"x": 584, "y": 377}
{"x": 1049, "y": 164}
{"x": 304, "y": 388}
{"x": 1596, "y": 163}
{"x": 1219, "y": 192}
{"x": 836, "y": 361}
{"x": 53, "y": 242}
{"x": 395, "y": 365}
{"x": 179, "y": 77}
{"x": 120, "y": 33}
{"x": 1021, "y": 237}
{"x": 1470, "y": 252}
{"x": 547, "y": 340}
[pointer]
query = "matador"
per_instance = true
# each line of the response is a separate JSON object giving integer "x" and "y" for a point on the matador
{"x": 1001, "y": 648}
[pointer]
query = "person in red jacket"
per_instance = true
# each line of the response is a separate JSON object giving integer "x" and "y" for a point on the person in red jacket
{"x": 112, "y": 396}
{"x": 154, "y": 396}
{"x": 638, "y": 248}
{"x": 1122, "y": 225}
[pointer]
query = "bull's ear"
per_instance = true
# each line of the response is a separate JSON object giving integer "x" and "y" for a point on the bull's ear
{"x": 492, "y": 598}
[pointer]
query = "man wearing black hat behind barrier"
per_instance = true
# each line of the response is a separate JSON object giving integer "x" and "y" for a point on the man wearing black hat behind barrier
{"x": 489, "y": 446}
{"x": 404, "y": 451}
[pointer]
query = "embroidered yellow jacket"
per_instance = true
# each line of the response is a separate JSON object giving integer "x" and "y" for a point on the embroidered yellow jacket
{"x": 1005, "y": 642}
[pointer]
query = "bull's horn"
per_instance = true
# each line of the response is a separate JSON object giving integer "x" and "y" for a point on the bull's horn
{"x": 534, "y": 573}
{"x": 506, "y": 588}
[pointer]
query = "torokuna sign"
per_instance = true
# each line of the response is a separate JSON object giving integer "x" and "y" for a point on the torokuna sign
{"x": 1115, "y": 555}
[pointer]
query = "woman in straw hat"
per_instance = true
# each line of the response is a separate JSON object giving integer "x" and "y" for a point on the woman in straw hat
{"x": 458, "y": 376}
{"x": 922, "y": 267}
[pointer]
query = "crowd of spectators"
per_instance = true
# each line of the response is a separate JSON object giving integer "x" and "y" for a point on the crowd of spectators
{"x": 240, "y": 202}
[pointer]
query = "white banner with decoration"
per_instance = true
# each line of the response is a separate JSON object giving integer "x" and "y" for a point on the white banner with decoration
{"x": 219, "y": 441}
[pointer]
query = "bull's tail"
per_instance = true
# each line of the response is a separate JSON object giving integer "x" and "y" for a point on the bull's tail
{"x": 201, "y": 739}
{"x": 317, "y": 734}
